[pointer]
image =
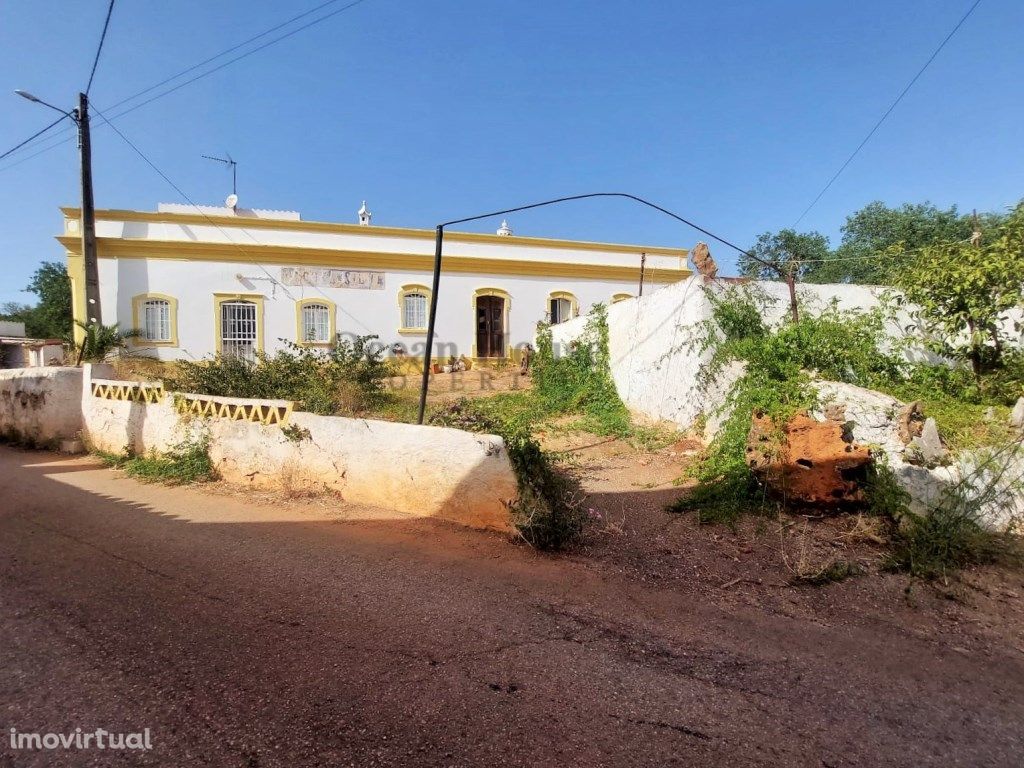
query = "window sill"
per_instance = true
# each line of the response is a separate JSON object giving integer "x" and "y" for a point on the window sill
{"x": 413, "y": 331}
{"x": 145, "y": 344}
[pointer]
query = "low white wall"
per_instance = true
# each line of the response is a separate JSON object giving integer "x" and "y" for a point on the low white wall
{"x": 423, "y": 471}
{"x": 40, "y": 406}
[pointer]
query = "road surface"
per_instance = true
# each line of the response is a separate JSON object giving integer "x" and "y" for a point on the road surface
{"x": 245, "y": 634}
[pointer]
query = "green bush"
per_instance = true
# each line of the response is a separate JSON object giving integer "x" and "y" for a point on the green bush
{"x": 187, "y": 462}
{"x": 548, "y": 513}
{"x": 346, "y": 379}
{"x": 580, "y": 381}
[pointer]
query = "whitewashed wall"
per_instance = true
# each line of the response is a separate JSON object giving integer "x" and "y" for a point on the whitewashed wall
{"x": 40, "y": 406}
{"x": 654, "y": 361}
{"x": 420, "y": 470}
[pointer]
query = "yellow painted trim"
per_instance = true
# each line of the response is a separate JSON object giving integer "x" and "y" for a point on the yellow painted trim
{"x": 574, "y": 303}
{"x": 406, "y": 289}
{"x": 137, "y": 302}
{"x": 116, "y": 248}
{"x": 220, "y": 298}
{"x": 332, "y": 330}
{"x": 617, "y": 297}
{"x": 155, "y": 217}
{"x": 76, "y": 272}
{"x": 502, "y": 294}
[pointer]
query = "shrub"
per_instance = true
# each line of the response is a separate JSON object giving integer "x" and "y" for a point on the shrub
{"x": 548, "y": 513}
{"x": 186, "y": 462}
{"x": 346, "y": 379}
{"x": 580, "y": 381}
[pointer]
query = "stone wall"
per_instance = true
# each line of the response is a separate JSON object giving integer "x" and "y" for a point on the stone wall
{"x": 40, "y": 406}
{"x": 422, "y": 471}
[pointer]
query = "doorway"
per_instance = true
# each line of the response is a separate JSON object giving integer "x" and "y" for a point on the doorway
{"x": 490, "y": 326}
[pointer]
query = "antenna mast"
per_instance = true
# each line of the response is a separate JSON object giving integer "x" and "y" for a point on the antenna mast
{"x": 234, "y": 169}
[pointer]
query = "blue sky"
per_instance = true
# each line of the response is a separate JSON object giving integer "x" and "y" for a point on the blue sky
{"x": 733, "y": 114}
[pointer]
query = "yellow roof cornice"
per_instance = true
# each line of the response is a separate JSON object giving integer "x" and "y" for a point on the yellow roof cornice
{"x": 187, "y": 250}
{"x": 161, "y": 217}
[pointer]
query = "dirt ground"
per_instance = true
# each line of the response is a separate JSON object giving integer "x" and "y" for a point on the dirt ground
{"x": 259, "y": 631}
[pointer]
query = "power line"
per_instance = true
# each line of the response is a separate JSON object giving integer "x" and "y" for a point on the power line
{"x": 888, "y": 112}
{"x": 34, "y": 135}
{"x": 232, "y": 49}
{"x": 221, "y": 66}
{"x": 99, "y": 48}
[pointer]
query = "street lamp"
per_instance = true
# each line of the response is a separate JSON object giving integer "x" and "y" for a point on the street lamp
{"x": 439, "y": 245}
{"x": 88, "y": 213}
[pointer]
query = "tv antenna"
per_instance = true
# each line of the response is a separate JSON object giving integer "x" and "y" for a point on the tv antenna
{"x": 232, "y": 200}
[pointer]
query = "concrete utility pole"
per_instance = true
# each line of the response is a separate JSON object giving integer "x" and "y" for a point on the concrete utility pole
{"x": 80, "y": 115}
{"x": 92, "y": 273}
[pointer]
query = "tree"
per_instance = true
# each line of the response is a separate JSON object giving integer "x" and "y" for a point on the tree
{"x": 785, "y": 249}
{"x": 51, "y": 317}
{"x": 961, "y": 293}
{"x": 869, "y": 233}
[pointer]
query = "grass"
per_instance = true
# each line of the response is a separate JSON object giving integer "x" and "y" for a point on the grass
{"x": 185, "y": 463}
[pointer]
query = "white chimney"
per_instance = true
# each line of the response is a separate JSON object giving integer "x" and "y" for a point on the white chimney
{"x": 364, "y": 216}
{"x": 504, "y": 230}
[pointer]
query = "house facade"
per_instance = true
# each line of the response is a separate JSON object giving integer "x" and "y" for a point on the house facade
{"x": 202, "y": 281}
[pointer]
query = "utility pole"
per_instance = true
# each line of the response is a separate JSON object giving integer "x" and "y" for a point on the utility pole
{"x": 92, "y": 273}
{"x": 643, "y": 265}
{"x": 790, "y": 277}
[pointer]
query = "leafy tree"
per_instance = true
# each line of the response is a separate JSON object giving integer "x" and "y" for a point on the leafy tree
{"x": 12, "y": 310}
{"x": 869, "y": 233}
{"x": 51, "y": 317}
{"x": 963, "y": 292}
{"x": 785, "y": 249}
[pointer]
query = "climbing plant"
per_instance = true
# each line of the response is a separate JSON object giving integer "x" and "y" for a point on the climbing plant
{"x": 579, "y": 380}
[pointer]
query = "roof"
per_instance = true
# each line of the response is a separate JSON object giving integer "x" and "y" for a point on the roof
{"x": 296, "y": 225}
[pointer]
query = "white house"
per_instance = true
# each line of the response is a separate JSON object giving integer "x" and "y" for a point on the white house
{"x": 198, "y": 281}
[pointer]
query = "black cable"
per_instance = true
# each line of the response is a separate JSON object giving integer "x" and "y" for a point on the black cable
{"x": 232, "y": 49}
{"x": 215, "y": 69}
{"x": 626, "y": 195}
{"x": 229, "y": 62}
{"x": 887, "y": 113}
{"x": 33, "y": 136}
{"x": 99, "y": 49}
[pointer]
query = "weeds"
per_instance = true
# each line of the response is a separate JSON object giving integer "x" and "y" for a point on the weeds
{"x": 345, "y": 380}
{"x": 580, "y": 381}
{"x": 548, "y": 513}
{"x": 185, "y": 463}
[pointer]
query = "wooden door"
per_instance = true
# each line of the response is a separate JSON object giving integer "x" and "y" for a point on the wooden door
{"x": 490, "y": 326}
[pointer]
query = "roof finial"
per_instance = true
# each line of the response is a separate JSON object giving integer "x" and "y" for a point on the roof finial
{"x": 504, "y": 230}
{"x": 364, "y": 215}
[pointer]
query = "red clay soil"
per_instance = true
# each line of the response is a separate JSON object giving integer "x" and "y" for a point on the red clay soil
{"x": 312, "y": 634}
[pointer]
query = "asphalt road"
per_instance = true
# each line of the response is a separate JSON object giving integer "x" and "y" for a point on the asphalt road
{"x": 244, "y": 635}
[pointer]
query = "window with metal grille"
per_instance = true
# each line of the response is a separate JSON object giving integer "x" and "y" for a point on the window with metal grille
{"x": 414, "y": 310}
{"x": 156, "y": 320}
{"x": 316, "y": 323}
{"x": 238, "y": 331}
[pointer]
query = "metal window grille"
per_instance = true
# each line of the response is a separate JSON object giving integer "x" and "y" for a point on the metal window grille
{"x": 414, "y": 311}
{"x": 156, "y": 320}
{"x": 316, "y": 324}
{"x": 238, "y": 332}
